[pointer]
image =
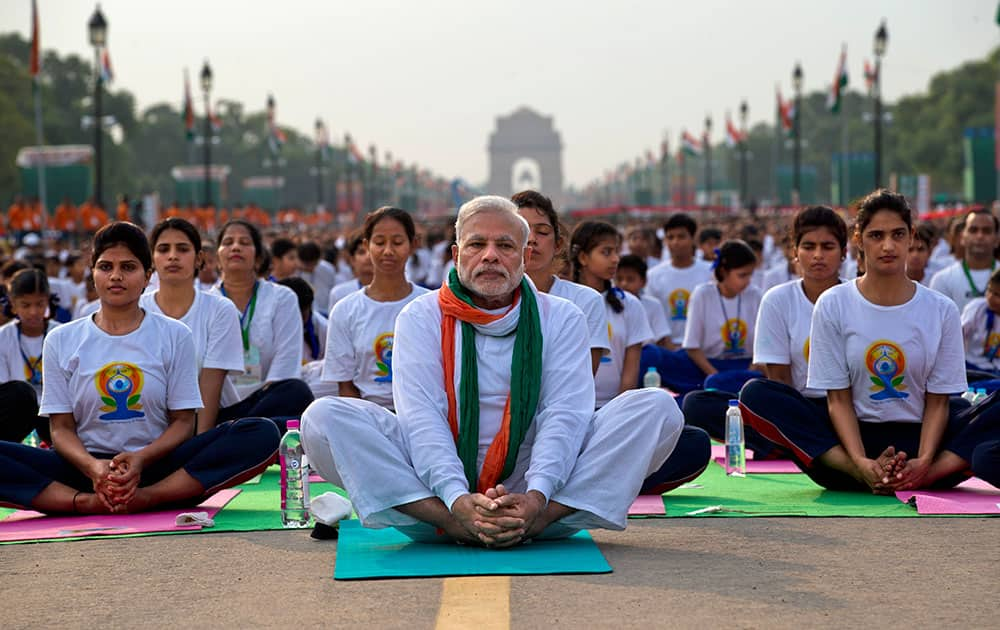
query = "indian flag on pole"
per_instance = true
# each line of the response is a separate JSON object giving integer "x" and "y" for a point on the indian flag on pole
{"x": 36, "y": 60}
{"x": 188, "y": 108}
{"x": 839, "y": 83}
{"x": 690, "y": 145}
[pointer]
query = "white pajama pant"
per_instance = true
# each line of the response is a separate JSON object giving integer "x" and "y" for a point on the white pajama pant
{"x": 359, "y": 446}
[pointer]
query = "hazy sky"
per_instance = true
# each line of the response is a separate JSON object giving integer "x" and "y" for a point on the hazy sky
{"x": 426, "y": 79}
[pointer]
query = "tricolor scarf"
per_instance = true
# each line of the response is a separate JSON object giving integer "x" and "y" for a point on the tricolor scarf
{"x": 525, "y": 380}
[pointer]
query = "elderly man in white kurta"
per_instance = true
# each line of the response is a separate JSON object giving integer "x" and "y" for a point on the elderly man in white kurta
{"x": 494, "y": 440}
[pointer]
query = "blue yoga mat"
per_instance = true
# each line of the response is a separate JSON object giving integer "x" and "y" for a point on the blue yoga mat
{"x": 364, "y": 554}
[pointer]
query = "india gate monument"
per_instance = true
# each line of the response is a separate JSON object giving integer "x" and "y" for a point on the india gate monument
{"x": 526, "y": 152}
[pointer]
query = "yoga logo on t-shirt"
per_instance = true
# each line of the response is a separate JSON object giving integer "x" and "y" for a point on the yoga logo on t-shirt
{"x": 805, "y": 350}
{"x": 678, "y": 300}
{"x": 120, "y": 388}
{"x": 991, "y": 347}
{"x": 734, "y": 336}
{"x": 383, "y": 358}
{"x": 606, "y": 358}
{"x": 885, "y": 362}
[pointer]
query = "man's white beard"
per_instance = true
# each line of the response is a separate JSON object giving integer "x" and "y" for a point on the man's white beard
{"x": 491, "y": 292}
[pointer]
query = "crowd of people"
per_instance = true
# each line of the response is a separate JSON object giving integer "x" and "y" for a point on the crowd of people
{"x": 481, "y": 382}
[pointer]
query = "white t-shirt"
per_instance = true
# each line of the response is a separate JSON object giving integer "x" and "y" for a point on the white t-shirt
{"x": 888, "y": 355}
{"x": 83, "y": 309}
{"x": 342, "y": 290}
{"x": 656, "y": 317}
{"x": 952, "y": 282}
{"x": 215, "y": 327}
{"x": 565, "y": 402}
{"x": 673, "y": 288}
{"x": 120, "y": 387}
{"x": 778, "y": 275}
{"x": 982, "y": 342}
{"x": 322, "y": 279}
{"x": 359, "y": 344}
{"x": 275, "y": 337}
{"x": 781, "y": 334}
{"x": 21, "y": 355}
{"x": 625, "y": 329}
{"x": 592, "y": 304}
{"x": 722, "y": 327}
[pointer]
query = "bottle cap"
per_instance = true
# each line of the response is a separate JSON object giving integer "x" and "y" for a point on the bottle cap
{"x": 292, "y": 424}
{"x": 981, "y": 390}
{"x": 651, "y": 369}
{"x": 733, "y": 402}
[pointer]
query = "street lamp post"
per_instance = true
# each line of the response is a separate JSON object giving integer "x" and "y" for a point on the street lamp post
{"x": 797, "y": 130}
{"x": 708, "y": 160}
{"x": 206, "y": 88}
{"x": 881, "y": 39}
{"x": 744, "y": 182}
{"x": 98, "y": 28}
{"x": 319, "y": 162}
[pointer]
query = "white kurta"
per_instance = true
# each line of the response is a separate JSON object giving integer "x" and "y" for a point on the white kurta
{"x": 593, "y": 462}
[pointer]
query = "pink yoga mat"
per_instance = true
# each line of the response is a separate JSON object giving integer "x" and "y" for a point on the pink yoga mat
{"x": 647, "y": 504}
{"x": 974, "y": 496}
{"x": 30, "y": 525}
{"x": 765, "y": 466}
{"x": 719, "y": 450}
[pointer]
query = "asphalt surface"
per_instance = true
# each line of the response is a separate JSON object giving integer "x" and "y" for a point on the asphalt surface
{"x": 738, "y": 573}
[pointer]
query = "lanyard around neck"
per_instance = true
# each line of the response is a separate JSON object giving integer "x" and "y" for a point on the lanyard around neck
{"x": 247, "y": 315}
{"x": 968, "y": 276}
{"x": 35, "y": 365}
{"x": 722, "y": 304}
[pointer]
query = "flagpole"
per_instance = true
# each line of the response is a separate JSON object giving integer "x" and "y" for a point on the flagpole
{"x": 42, "y": 192}
{"x": 35, "y": 62}
{"x": 845, "y": 170}
{"x": 779, "y": 136}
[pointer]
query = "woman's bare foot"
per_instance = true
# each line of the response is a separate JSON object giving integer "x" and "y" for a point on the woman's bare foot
{"x": 89, "y": 503}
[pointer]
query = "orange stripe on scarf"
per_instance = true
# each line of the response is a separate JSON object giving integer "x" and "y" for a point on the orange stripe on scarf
{"x": 454, "y": 310}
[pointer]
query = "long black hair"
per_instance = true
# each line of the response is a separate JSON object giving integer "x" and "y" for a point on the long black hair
{"x": 586, "y": 236}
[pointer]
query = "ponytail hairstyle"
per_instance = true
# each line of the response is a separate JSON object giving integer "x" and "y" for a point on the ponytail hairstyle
{"x": 586, "y": 237}
{"x": 733, "y": 254}
{"x": 30, "y": 281}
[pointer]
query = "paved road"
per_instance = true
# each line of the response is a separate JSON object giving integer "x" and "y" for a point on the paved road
{"x": 759, "y": 572}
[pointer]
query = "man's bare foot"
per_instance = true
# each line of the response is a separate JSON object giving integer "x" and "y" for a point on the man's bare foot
{"x": 891, "y": 463}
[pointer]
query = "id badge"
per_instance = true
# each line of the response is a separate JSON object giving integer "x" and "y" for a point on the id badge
{"x": 251, "y": 367}
{"x": 36, "y": 378}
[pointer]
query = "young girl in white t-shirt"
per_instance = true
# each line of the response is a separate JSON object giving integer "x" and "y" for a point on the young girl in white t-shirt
{"x": 781, "y": 334}
{"x": 361, "y": 327}
{"x": 888, "y": 352}
{"x": 121, "y": 391}
{"x": 212, "y": 319}
{"x": 722, "y": 313}
{"x": 545, "y": 241}
{"x": 21, "y": 341}
{"x": 594, "y": 255}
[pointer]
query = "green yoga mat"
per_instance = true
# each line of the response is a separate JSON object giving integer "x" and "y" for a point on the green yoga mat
{"x": 255, "y": 508}
{"x": 364, "y": 554}
{"x": 773, "y": 495}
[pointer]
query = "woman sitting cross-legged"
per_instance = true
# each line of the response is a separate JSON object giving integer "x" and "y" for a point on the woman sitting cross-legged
{"x": 121, "y": 389}
{"x": 888, "y": 352}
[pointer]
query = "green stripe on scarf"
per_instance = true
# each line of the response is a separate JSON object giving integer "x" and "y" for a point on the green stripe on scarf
{"x": 525, "y": 382}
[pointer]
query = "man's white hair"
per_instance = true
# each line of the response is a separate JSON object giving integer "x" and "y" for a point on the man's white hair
{"x": 493, "y": 204}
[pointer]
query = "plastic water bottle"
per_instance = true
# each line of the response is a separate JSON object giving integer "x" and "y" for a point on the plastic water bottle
{"x": 970, "y": 395}
{"x": 294, "y": 479}
{"x": 32, "y": 439}
{"x": 980, "y": 395}
{"x": 651, "y": 378}
{"x": 736, "y": 462}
